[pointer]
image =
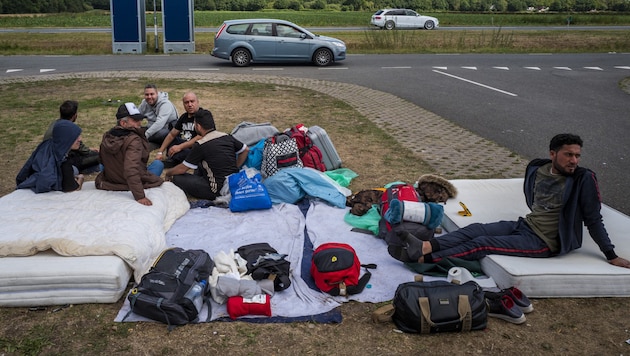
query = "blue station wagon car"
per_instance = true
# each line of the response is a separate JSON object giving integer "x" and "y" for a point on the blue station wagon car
{"x": 267, "y": 40}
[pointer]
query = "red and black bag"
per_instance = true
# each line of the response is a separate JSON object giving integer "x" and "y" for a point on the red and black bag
{"x": 310, "y": 154}
{"x": 335, "y": 268}
{"x": 389, "y": 232}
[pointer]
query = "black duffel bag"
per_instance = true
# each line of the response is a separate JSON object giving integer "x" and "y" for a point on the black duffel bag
{"x": 438, "y": 306}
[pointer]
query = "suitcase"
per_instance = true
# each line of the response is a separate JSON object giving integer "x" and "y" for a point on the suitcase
{"x": 320, "y": 138}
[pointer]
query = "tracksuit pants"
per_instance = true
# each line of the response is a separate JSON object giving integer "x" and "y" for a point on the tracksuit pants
{"x": 512, "y": 238}
{"x": 194, "y": 185}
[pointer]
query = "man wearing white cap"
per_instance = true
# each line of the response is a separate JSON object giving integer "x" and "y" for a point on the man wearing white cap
{"x": 124, "y": 154}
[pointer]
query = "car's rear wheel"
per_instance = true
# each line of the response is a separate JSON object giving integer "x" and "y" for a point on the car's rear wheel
{"x": 241, "y": 57}
{"x": 389, "y": 25}
{"x": 429, "y": 25}
{"x": 322, "y": 57}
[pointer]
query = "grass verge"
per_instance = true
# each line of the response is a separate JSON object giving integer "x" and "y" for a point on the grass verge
{"x": 358, "y": 42}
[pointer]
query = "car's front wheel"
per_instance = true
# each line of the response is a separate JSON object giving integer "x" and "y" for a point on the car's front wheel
{"x": 389, "y": 25}
{"x": 322, "y": 57}
{"x": 241, "y": 57}
{"x": 429, "y": 25}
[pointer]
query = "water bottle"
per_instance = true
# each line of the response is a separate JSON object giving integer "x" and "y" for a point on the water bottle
{"x": 195, "y": 294}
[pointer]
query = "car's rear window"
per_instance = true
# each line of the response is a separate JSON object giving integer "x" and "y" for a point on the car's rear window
{"x": 238, "y": 29}
{"x": 378, "y": 12}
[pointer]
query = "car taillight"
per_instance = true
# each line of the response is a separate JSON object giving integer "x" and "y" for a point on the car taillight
{"x": 377, "y": 17}
{"x": 220, "y": 30}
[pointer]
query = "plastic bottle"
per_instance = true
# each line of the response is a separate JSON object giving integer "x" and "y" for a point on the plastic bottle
{"x": 195, "y": 294}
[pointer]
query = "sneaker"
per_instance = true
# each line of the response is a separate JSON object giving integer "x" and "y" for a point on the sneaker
{"x": 519, "y": 299}
{"x": 503, "y": 307}
{"x": 399, "y": 253}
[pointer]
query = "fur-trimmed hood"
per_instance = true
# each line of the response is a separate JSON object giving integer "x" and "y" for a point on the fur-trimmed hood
{"x": 433, "y": 188}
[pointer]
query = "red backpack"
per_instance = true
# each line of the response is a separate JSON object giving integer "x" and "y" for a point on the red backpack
{"x": 389, "y": 232}
{"x": 335, "y": 268}
{"x": 405, "y": 192}
{"x": 310, "y": 154}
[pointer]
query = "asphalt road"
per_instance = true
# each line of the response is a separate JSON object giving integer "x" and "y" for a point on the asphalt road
{"x": 518, "y": 101}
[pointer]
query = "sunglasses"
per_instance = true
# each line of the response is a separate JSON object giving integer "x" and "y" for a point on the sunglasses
{"x": 464, "y": 212}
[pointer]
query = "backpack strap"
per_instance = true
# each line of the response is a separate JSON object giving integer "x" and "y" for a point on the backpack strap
{"x": 383, "y": 314}
{"x": 349, "y": 290}
{"x": 206, "y": 300}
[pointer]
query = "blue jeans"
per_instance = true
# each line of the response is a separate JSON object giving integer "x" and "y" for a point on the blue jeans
{"x": 512, "y": 238}
{"x": 156, "y": 167}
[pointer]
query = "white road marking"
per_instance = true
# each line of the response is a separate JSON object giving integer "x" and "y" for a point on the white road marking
{"x": 471, "y": 68}
{"x": 533, "y": 68}
{"x": 593, "y": 68}
{"x": 503, "y": 68}
{"x": 475, "y": 83}
{"x": 14, "y": 70}
{"x": 563, "y": 68}
{"x": 440, "y": 68}
{"x": 622, "y": 67}
{"x": 46, "y": 70}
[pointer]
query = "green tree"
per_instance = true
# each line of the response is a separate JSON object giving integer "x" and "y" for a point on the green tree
{"x": 281, "y": 4}
{"x": 318, "y": 5}
{"x": 255, "y": 5}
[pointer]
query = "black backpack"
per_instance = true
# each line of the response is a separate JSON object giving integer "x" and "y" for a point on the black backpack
{"x": 264, "y": 262}
{"x": 160, "y": 293}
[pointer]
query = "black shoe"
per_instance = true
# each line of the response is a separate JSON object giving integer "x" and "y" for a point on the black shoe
{"x": 519, "y": 299}
{"x": 503, "y": 307}
{"x": 399, "y": 253}
{"x": 413, "y": 245}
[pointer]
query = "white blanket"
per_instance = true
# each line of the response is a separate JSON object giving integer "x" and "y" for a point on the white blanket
{"x": 215, "y": 229}
{"x": 90, "y": 222}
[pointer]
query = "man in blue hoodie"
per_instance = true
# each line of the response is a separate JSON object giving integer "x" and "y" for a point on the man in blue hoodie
{"x": 562, "y": 197}
{"x": 48, "y": 167}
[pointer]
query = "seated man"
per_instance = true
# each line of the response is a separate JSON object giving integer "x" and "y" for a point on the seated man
{"x": 85, "y": 159}
{"x": 48, "y": 167}
{"x": 180, "y": 139}
{"x": 125, "y": 153}
{"x": 213, "y": 157}
{"x": 160, "y": 113}
{"x": 562, "y": 197}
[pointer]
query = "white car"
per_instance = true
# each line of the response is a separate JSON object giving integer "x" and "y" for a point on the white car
{"x": 390, "y": 19}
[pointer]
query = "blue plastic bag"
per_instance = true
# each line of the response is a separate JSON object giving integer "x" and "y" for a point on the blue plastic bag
{"x": 248, "y": 193}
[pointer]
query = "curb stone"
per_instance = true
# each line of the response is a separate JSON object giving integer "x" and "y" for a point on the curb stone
{"x": 450, "y": 150}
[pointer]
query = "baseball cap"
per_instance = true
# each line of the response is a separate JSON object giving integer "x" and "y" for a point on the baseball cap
{"x": 129, "y": 110}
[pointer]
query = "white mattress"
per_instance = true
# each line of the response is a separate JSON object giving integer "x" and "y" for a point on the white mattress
{"x": 581, "y": 273}
{"x": 80, "y": 247}
{"x": 50, "y": 279}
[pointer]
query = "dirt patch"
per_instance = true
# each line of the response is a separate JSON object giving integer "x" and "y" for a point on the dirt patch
{"x": 595, "y": 326}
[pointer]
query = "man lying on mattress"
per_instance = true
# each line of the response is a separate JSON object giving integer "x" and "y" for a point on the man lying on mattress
{"x": 561, "y": 196}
